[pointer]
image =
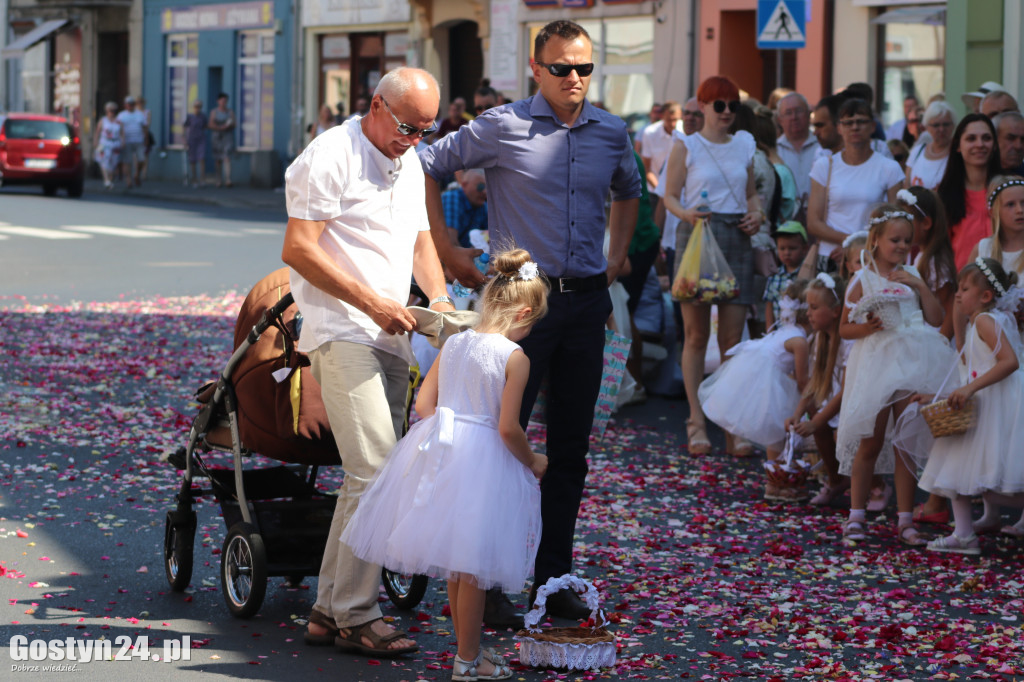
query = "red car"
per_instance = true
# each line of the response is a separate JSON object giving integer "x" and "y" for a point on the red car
{"x": 37, "y": 149}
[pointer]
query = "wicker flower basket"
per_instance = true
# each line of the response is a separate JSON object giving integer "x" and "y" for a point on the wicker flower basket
{"x": 576, "y": 648}
{"x": 943, "y": 420}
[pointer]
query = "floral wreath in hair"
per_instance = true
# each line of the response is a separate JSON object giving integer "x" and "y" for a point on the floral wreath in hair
{"x": 889, "y": 215}
{"x": 1007, "y": 300}
{"x": 788, "y": 307}
{"x": 859, "y": 234}
{"x": 907, "y": 197}
{"x": 1012, "y": 182}
{"x": 526, "y": 272}
{"x": 827, "y": 280}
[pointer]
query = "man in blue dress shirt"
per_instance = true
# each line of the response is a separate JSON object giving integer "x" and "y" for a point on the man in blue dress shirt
{"x": 550, "y": 161}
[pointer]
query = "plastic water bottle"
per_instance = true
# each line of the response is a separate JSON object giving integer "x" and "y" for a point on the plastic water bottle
{"x": 705, "y": 205}
{"x": 481, "y": 262}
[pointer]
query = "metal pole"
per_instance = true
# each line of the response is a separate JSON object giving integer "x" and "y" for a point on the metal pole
{"x": 778, "y": 69}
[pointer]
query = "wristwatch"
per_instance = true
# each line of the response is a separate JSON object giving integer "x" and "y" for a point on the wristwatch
{"x": 441, "y": 299}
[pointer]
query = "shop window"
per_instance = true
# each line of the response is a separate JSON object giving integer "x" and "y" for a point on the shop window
{"x": 182, "y": 83}
{"x": 256, "y": 89}
{"x": 913, "y": 63}
{"x": 623, "y": 64}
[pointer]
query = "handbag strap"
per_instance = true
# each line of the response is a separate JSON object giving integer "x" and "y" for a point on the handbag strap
{"x": 719, "y": 167}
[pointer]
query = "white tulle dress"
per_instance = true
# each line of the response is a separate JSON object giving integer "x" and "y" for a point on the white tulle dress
{"x": 906, "y": 357}
{"x": 451, "y": 498}
{"x": 753, "y": 393}
{"x": 990, "y": 456}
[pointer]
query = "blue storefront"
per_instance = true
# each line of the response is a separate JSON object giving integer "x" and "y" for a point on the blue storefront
{"x": 196, "y": 51}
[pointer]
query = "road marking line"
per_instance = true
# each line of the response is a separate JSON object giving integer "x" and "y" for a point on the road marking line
{"x": 189, "y": 230}
{"x": 41, "y": 233}
{"x": 181, "y": 264}
{"x": 129, "y": 232}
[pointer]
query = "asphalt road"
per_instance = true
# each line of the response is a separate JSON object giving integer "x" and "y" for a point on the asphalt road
{"x": 101, "y": 347}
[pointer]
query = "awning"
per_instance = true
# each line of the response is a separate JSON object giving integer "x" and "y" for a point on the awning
{"x": 40, "y": 32}
{"x": 933, "y": 15}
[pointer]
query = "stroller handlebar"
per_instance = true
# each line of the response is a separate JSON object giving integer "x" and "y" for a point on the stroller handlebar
{"x": 269, "y": 315}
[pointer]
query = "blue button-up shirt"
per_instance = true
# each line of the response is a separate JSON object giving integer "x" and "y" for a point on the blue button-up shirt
{"x": 462, "y": 216}
{"x": 546, "y": 182}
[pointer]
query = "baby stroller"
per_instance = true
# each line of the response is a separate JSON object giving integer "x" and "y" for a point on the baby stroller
{"x": 265, "y": 401}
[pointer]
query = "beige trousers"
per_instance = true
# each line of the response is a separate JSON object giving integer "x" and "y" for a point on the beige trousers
{"x": 364, "y": 392}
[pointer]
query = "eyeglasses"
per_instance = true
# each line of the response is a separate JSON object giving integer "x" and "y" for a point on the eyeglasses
{"x": 943, "y": 124}
{"x": 563, "y": 70}
{"x": 855, "y": 122}
{"x": 720, "y": 105}
{"x": 406, "y": 129}
{"x": 913, "y": 120}
{"x": 697, "y": 114}
{"x": 482, "y": 108}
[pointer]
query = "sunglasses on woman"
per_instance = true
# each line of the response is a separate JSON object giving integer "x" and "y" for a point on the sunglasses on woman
{"x": 563, "y": 70}
{"x": 719, "y": 106}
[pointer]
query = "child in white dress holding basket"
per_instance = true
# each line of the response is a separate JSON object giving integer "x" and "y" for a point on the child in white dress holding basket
{"x": 986, "y": 458}
{"x": 458, "y": 497}
{"x": 752, "y": 393}
{"x": 894, "y": 357}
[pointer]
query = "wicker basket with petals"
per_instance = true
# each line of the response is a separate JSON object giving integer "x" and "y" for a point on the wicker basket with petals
{"x": 943, "y": 420}
{"x": 585, "y": 647}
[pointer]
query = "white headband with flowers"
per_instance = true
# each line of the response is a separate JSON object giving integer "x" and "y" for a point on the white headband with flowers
{"x": 907, "y": 197}
{"x": 526, "y": 272}
{"x": 1012, "y": 182}
{"x": 890, "y": 215}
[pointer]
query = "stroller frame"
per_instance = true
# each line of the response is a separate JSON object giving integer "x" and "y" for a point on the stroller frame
{"x": 278, "y": 528}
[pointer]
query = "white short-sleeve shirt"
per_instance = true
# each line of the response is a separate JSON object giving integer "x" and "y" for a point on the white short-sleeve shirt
{"x": 655, "y": 144}
{"x": 374, "y": 208}
{"x": 853, "y": 191}
{"x": 721, "y": 169}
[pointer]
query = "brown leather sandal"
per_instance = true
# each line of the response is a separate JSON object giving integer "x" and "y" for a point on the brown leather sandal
{"x": 353, "y": 641}
{"x": 326, "y": 639}
{"x": 697, "y": 441}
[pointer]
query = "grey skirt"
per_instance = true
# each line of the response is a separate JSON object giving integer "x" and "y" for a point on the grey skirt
{"x": 736, "y": 248}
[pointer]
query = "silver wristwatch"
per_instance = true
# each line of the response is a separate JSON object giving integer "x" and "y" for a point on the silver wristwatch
{"x": 441, "y": 299}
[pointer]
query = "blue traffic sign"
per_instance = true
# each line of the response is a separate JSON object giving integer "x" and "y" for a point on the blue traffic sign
{"x": 781, "y": 24}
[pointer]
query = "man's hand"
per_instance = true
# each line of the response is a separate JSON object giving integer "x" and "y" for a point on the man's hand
{"x": 459, "y": 261}
{"x": 390, "y": 316}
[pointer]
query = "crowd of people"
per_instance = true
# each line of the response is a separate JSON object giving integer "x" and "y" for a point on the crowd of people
{"x": 868, "y": 276}
{"x": 122, "y": 142}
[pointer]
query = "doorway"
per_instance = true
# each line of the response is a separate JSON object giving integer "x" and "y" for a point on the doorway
{"x": 465, "y": 62}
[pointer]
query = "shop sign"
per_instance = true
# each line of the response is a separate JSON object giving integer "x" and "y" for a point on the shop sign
{"x": 231, "y": 16}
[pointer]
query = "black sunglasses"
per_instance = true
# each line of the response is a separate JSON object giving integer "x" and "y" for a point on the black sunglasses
{"x": 563, "y": 70}
{"x": 720, "y": 105}
{"x": 405, "y": 128}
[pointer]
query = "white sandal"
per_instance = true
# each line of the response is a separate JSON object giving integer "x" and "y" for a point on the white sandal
{"x": 956, "y": 545}
{"x": 466, "y": 671}
{"x": 1014, "y": 531}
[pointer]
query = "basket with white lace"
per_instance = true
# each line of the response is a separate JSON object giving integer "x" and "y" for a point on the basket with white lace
{"x": 585, "y": 647}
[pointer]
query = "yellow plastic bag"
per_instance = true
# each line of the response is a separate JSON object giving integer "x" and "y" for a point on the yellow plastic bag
{"x": 704, "y": 275}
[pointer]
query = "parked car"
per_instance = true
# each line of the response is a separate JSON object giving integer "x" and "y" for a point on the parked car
{"x": 38, "y": 149}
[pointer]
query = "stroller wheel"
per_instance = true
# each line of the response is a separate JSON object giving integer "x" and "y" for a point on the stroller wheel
{"x": 405, "y": 591}
{"x": 179, "y": 534}
{"x": 243, "y": 572}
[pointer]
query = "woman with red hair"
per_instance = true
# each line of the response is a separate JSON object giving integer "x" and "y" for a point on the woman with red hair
{"x": 720, "y": 164}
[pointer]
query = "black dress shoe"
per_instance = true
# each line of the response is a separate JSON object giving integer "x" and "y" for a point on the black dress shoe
{"x": 567, "y": 604}
{"x": 499, "y": 612}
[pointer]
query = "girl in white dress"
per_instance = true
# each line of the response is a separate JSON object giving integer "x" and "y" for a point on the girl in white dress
{"x": 986, "y": 459}
{"x": 823, "y": 396}
{"x": 752, "y": 394}
{"x": 1006, "y": 245}
{"x": 894, "y": 356}
{"x": 458, "y": 497}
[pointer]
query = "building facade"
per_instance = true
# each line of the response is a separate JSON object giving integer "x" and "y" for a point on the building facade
{"x": 67, "y": 57}
{"x": 197, "y": 51}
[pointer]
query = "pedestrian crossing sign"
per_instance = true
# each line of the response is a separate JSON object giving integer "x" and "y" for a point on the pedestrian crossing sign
{"x": 781, "y": 24}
